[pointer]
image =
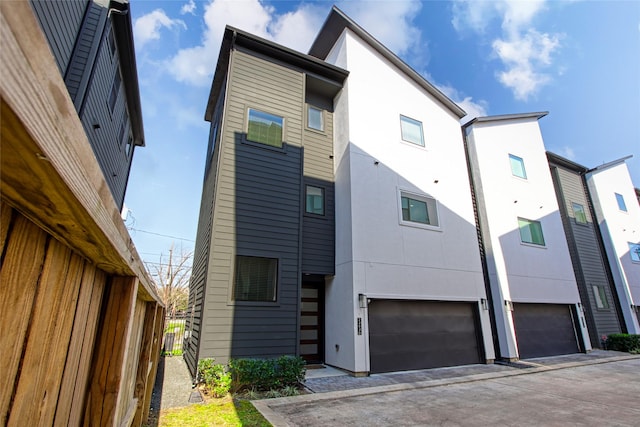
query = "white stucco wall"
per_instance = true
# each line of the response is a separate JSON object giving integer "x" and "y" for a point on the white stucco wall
{"x": 519, "y": 272}
{"x": 386, "y": 258}
{"x": 618, "y": 229}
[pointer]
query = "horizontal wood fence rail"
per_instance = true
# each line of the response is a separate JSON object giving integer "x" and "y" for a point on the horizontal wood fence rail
{"x": 82, "y": 323}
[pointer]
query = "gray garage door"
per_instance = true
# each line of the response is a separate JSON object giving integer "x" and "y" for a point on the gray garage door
{"x": 406, "y": 335}
{"x": 544, "y": 330}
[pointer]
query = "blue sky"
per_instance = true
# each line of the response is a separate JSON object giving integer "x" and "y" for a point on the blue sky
{"x": 579, "y": 60}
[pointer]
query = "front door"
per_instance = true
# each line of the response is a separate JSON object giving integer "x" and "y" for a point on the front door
{"x": 312, "y": 320}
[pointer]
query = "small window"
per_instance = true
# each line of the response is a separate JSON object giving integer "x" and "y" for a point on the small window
{"x": 411, "y": 131}
{"x": 115, "y": 88}
{"x": 621, "y": 204}
{"x": 530, "y": 231}
{"x": 517, "y": 166}
{"x": 315, "y": 200}
{"x": 314, "y": 118}
{"x": 600, "y": 296}
{"x": 634, "y": 251}
{"x": 579, "y": 213}
{"x": 256, "y": 279}
{"x": 419, "y": 209}
{"x": 265, "y": 128}
{"x": 129, "y": 145}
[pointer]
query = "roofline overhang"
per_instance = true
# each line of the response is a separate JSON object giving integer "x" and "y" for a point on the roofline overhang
{"x": 121, "y": 18}
{"x": 333, "y": 28}
{"x": 506, "y": 117}
{"x": 610, "y": 164}
{"x": 564, "y": 162}
{"x": 235, "y": 37}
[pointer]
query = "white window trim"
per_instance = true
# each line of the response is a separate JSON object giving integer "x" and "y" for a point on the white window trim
{"x": 410, "y": 143}
{"x": 524, "y": 168}
{"x": 418, "y": 196}
{"x": 532, "y": 245}
{"x": 629, "y": 246}
{"x": 322, "y": 119}
{"x": 246, "y": 139}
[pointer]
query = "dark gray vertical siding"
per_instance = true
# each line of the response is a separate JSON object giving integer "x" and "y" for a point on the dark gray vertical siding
{"x": 256, "y": 212}
{"x": 103, "y": 126}
{"x": 586, "y": 256}
{"x": 84, "y": 53}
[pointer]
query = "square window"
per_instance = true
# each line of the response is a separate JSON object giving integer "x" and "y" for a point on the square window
{"x": 256, "y": 279}
{"x": 634, "y": 251}
{"x": 411, "y": 131}
{"x": 265, "y": 128}
{"x": 579, "y": 213}
{"x": 517, "y": 166}
{"x": 115, "y": 88}
{"x": 621, "y": 204}
{"x": 314, "y": 200}
{"x": 530, "y": 231}
{"x": 314, "y": 118}
{"x": 600, "y": 296}
{"x": 419, "y": 209}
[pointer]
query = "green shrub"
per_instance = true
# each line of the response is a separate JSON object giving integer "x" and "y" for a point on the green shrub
{"x": 267, "y": 374}
{"x": 214, "y": 377}
{"x": 623, "y": 342}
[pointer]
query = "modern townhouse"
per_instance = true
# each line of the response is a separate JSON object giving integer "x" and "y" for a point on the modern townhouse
{"x": 597, "y": 291}
{"x": 92, "y": 43}
{"x": 618, "y": 217}
{"x": 535, "y": 297}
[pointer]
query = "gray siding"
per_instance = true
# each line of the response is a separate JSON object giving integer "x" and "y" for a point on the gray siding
{"x": 587, "y": 258}
{"x": 60, "y": 21}
{"x": 318, "y": 233}
{"x": 256, "y": 213}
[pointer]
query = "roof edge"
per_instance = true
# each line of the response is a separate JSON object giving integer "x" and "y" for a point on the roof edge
{"x": 563, "y": 161}
{"x": 505, "y": 117}
{"x": 332, "y": 28}
{"x": 610, "y": 164}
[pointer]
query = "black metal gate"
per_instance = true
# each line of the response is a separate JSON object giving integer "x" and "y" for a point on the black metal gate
{"x": 174, "y": 329}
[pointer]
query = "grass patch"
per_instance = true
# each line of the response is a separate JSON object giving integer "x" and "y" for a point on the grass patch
{"x": 216, "y": 412}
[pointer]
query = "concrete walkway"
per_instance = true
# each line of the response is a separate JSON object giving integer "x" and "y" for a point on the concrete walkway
{"x": 599, "y": 388}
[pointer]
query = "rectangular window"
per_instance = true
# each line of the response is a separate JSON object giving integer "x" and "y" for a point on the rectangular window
{"x": 314, "y": 200}
{"x": 256, "y": 279}
{"x": 115, "y": 88}
{"x": 600, "y": 296}
{"x": 129, "y": 145}
{"x": 634, "y": 251}
{"x": 411, "y": 131}
{"x": 517, "y": 166}
{"x": 265, "y": 128}
{"x": 419, "y": 209}
{"x": 621, "y": 204}
{"x": 530, "y": 231}
{"x": 314, "y": 118}
{"x": 579, "y": 213}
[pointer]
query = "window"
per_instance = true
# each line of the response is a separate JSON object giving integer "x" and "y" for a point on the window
{"x": 411, "y": 131}
{"x": 129, "y": 145}
{"x": 634, "y": 251}
{"x": 621, "y": 204}
{"x": 112, "y": 43}
{"x": 115, "y": 88}
{"x": 265, "y": 128}
{"x": 600, "y": 296}
{"x": 530, "y": 231}
{"x": 517, "y": 166}
{"x": 315, "y": 200}
{"x": 579, "y": 213}
{"x": 256, "y": 279}
{"x": 418, "y": 209}
{"x": 314, "y": 118}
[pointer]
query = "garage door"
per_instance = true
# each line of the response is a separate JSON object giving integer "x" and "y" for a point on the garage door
{"x": 406, "y": 335}
{"x": 544, "y": 330}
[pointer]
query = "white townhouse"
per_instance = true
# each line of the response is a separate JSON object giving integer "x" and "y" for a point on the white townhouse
{"x": 535, "y": 298}
{"x": 408, "y": 291}
{"x": 618, "y": 214}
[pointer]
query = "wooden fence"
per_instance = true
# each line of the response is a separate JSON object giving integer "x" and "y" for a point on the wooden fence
{"x": 81, "y": 323}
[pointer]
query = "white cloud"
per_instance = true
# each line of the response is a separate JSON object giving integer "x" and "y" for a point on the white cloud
{"x": 295, "y": 29}
{"x": 473, "y": 108}
{"x": 525, "y": 53}
{"x": 568, "y": 153}
{"x": 188, "y": 7}
{"x": 147, "y": 27}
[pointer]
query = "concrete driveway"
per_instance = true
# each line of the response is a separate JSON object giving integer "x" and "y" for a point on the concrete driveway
{"x": 592, "y": 391}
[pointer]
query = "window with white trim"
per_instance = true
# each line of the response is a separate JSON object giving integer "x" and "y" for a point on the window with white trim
{"x": 621, "y": 204}
{"x": 517, "y": 166}
{"x": 530, "y": 232}
{"x": 411, "y": 130}
{"x": 600, "y": 296}
{"x": 315, "y": 118}
{"x": 634, "y": 251}
{"x": 314, "y": 203}
{"x": 265, "y": 128}
{"x": 579, "y": 213}
{"x": 418, "y": 209}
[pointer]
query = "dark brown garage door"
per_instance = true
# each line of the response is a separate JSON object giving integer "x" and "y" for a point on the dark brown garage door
{"x": 406, "y": 335}
{"x": 544, "y": 330}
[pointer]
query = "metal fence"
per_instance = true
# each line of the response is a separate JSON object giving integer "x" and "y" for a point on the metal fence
{"x": 174, "y": 328}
